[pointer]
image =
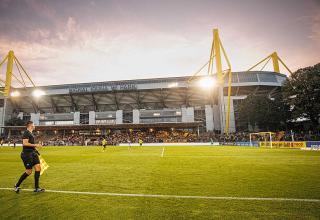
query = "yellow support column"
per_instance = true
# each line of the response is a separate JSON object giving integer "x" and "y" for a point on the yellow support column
{"x": 226, "y": 129}
{"x": 217, "y": 53}
{"x": 217, "y": 50}
{"x": 9, "y": 73}
{"x": 275, "y": 61}
{"x": 220, "y": 76}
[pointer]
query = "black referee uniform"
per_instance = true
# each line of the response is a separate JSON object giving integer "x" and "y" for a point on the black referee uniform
{"x": 30, "y": 158}
{"x": 29, "y": 155}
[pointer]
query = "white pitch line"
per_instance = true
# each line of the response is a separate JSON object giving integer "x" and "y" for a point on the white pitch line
{"x": 162, "y": 154}
{"x": 175, "y": 196}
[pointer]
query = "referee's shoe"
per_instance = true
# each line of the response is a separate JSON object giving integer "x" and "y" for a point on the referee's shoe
{"x": 37, "y": 190}
{"x": 16, "y": 189}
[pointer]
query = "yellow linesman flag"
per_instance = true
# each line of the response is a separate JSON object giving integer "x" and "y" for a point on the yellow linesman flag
{"x": 43, "y": 165}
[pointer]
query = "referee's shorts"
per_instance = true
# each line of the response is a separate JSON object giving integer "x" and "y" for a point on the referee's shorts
{"x": 30, "y": 159}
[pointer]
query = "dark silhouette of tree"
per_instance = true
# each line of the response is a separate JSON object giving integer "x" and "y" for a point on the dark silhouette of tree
{"x": 302, "y": 92}
{"x": 269, "y": 114}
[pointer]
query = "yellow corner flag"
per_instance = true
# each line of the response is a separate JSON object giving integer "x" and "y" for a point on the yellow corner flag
{"x": 43, "y": 165}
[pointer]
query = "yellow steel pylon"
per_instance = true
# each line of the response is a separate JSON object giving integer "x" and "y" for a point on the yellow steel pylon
{"x": 215, "y": 57}
{"x": 11, "y": 59}
{"x": 275, "y": 62}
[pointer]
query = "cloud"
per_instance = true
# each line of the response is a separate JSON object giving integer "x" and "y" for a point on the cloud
{"x": 83, "y": 41}
{"x": 77, "y": 55}
{"x": 315, "y": 28}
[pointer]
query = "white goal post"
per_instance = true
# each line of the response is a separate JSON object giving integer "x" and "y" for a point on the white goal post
{"x": 265, "y": 135}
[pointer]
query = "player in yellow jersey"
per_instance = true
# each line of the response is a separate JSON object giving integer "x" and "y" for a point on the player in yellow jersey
{"x": 140, "y": 142}
{"x": 104, "y": 143}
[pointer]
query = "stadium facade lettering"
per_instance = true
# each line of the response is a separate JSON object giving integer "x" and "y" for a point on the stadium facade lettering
{"x": 101, "y": 88}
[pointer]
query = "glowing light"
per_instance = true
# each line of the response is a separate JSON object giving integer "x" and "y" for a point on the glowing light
{"x": 15, "y": 94}
{"x": 174, "y": 84}
{"x": 207, "y": 82}
{"x": 38, "y": 93}
{"x": 156, "y": 114}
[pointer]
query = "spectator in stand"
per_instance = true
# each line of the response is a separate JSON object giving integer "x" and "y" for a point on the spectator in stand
{"x": 159, "y": 136}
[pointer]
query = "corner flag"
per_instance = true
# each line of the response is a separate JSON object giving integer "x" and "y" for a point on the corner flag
{"x": 43, "y": 165}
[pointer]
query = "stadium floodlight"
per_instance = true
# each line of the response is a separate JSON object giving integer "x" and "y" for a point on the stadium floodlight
{"x": 172, "y": 85}
{"x": 38, "y": 93}
{"x": 15, "y": 93}
{"x": 207, "y": 82}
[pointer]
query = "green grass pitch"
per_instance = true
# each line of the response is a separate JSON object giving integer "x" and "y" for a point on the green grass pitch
{"x": 193, "y": 171}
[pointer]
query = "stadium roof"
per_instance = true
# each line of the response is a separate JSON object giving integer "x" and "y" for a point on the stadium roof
{"x": 155, "y": 93}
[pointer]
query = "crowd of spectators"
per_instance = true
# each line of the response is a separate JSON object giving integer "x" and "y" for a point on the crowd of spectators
{"x": 160, "y": 136}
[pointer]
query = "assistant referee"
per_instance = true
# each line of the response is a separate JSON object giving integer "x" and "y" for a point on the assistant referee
{"x": 30, "y": 158}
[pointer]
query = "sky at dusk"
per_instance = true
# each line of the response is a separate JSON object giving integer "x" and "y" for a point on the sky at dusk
{"x": 74, "y": 41}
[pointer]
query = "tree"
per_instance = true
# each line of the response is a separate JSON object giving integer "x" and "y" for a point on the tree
{"x": 302, "y": 92}
{"x": 268, "y": 114}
